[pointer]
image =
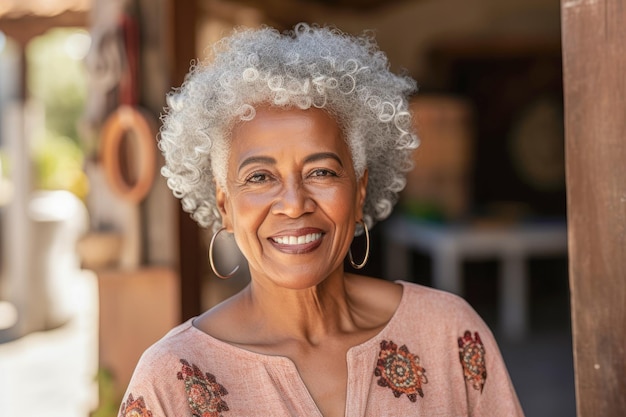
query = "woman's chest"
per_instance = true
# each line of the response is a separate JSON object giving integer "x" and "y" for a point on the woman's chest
{"x": 391, "y": 380}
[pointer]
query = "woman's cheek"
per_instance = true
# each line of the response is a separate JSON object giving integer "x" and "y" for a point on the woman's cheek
{"x": 249, "y": 205}
{"x": 339, "y": 199}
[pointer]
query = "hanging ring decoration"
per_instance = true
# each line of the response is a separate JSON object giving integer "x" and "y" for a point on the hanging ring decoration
{"x": 212, "y": 263}
{"x": 367, "y": 249}
{"x": 130, "y": 123}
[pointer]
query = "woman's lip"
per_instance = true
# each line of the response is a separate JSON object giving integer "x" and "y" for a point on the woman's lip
{"x": 297, "y": 232}
{"x": 292, "y": 240}
{"x": 297, "y": 241}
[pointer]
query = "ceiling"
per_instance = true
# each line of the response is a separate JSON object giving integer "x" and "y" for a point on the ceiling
{"x": 16, "y": 9}
{"x": 276, "y": 7}
{"x": 355, "y": 4}
{"x": 24, "y": 19}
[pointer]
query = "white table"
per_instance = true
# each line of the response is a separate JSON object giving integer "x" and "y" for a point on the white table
{"x": 449, "y": 245}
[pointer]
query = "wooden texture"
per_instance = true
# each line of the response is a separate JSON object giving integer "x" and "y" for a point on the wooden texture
{"x": 594, "y": 60}
{"x": 26, "y": 27}
{"x": 137, "y": 308}
{"x": 183, "y": 16}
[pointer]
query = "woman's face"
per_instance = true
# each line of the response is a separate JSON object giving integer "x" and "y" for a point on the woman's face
{"x": 291, "y": 198}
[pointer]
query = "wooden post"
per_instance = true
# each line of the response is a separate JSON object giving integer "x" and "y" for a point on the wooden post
{"x": 594, "y": 62}
{"x": 182, "y": 52}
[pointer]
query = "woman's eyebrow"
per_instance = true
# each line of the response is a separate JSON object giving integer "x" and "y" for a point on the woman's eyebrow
{"x": 323, "y": 155}
{"x": 319, "y": 156}
{"x": 256, "y": 160}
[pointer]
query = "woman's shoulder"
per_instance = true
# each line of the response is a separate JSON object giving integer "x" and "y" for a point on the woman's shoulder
{"x": 186, "y": 343}
{"x": 397, "y": 293}
{"x": 427, "y": 294}
{"x": 436, "y": 306}
{"x": 167, "y": 370}
{"x": 173, "y": 344}
{"x": 182, "y": 347}
{"x": 407, "y": 298}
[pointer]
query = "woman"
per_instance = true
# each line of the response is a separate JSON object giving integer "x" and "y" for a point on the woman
{"x": 294, "y": 143}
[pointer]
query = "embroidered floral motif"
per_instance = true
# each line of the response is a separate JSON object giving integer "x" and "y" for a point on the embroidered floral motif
{"x": 472, "y": 355}
{"x": 400, "y": 370}
{"x": 134, "y": 408}
{"x": 204, "y": 393}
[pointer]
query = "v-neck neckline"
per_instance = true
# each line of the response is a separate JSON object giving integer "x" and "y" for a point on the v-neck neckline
{"x": 269, "y": 358}
{"x": 280, "y": 363}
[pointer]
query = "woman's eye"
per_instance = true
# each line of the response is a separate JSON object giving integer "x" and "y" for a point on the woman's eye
{"x": 257, "y": 177}
{"x": 323, "y": 173}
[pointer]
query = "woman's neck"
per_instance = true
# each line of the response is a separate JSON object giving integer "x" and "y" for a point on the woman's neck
{"x": 265, "y": 319}
{"x": 307, "y": 315}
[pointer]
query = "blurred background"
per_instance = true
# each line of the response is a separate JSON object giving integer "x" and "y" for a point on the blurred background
{"x": 97, "y": 261}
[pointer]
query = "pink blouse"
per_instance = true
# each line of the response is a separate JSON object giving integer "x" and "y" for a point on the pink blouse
{"x": 435, "y": 357}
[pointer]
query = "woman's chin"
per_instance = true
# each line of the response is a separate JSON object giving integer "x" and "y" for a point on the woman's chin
{"x": 297, "y": 277}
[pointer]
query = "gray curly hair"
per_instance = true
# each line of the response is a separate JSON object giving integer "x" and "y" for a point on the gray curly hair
{"x": 310, "y": 66}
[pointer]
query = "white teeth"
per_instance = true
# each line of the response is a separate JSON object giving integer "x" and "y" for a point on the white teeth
{"x": 297, "y": 240}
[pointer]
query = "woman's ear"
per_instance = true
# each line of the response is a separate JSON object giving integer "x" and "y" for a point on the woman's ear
{"x": 221, "y": 198}
{"x": 361, "y": 193}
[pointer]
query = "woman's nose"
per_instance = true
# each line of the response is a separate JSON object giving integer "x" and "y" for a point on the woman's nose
{"x": 294, "y": 200}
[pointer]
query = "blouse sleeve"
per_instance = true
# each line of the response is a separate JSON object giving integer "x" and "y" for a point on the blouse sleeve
{"x": 155, "y": 389}
{"x": 488, "y": 385}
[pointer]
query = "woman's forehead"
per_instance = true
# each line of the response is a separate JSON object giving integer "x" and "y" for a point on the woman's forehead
{"x": 273, "y": 123}
{"x": 280, "y": 130}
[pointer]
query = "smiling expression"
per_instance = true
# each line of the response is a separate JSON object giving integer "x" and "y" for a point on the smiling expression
{"x": 292, "y": 199}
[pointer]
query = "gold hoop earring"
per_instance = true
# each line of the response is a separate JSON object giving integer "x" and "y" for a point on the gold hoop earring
{"x": 367, "y": 249}
{"x": 211, "y": 258}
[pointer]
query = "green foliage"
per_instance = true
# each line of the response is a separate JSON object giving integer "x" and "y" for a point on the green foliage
{"x": 57, "y": 79}
{"x": 108, "y": 401}
{"x": 59, "y": 165}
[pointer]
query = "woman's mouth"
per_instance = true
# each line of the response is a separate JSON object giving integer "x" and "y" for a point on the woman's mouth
{"x": 297, "y": 243}
{"x": 297, "y": 240}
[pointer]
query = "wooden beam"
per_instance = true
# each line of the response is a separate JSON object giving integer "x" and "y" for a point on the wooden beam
{"x": 182, "y": 50}
{"x": 27, "y": 27}
{"x": 594, "y": 60}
